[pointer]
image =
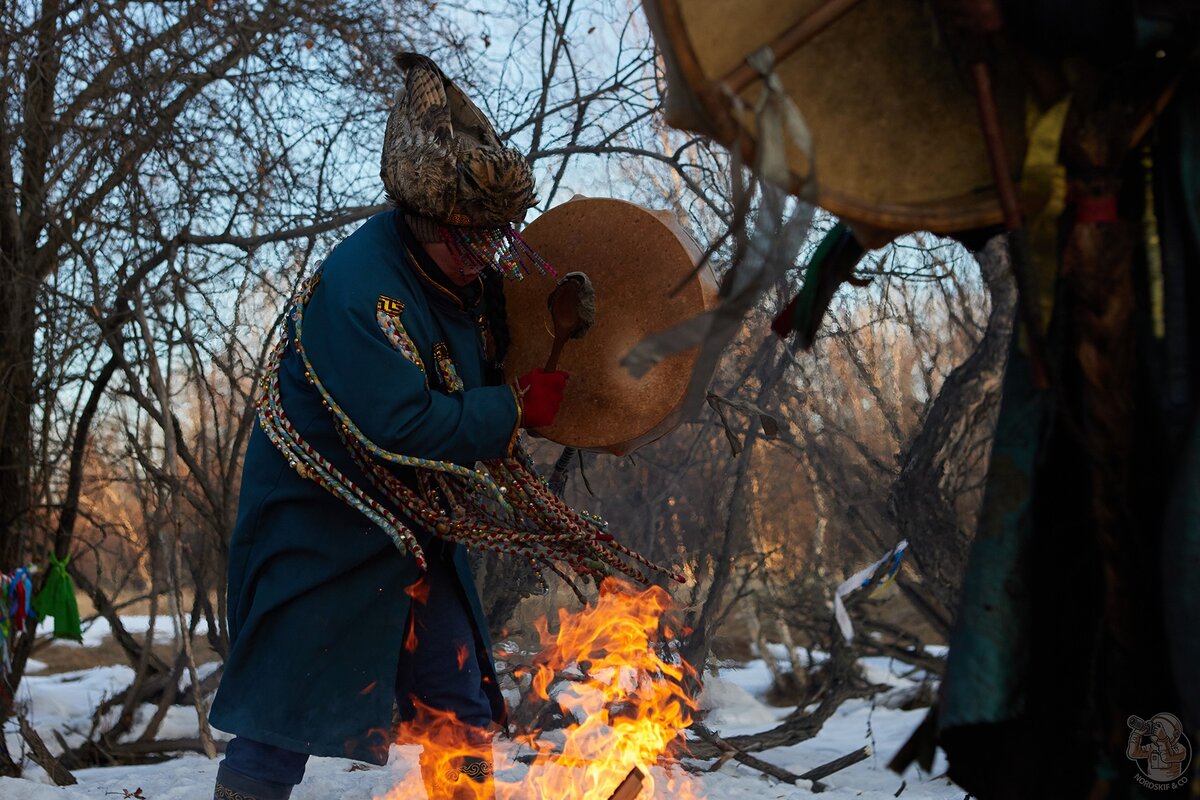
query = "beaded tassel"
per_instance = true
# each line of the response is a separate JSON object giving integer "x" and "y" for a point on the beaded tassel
{"x": 502, "y": 505}
{"x": 502, "y": 249}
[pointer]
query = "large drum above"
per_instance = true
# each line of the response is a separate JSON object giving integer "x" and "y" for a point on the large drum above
{"x": 896, "y": 138}
{"x": 634, "y": 258}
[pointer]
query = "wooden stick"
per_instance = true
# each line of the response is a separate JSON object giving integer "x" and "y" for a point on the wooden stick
{"x": 993, "y": 136}
{"x": 729, "y": 751}
{"x": 1018, "y": 242}
{"x": 779, "y": 773}
{"x": 791, "y": 40}
{"x": 1147, "y": 122}
{"x": 42, "y": 757}
{"x": 629, "y": 787}
{"x": 838, "y": 764}
{"x": 555, "y": 351}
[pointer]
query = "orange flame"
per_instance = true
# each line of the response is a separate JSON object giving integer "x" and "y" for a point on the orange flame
{"x": 627, "y": 702}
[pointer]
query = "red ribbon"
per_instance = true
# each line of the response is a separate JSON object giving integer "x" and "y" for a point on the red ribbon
{"x": 1095, "y": 208}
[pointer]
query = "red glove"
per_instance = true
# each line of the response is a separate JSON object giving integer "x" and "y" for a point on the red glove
{"x": 541, "y": 394}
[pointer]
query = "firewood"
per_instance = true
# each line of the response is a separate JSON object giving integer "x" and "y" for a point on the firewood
{"x": 629, "y": 787}
{"x": 779, "y": 773}
{"x": 729, "y": 751}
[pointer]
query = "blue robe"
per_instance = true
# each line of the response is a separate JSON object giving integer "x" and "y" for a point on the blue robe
{"x": 317, "y": 603}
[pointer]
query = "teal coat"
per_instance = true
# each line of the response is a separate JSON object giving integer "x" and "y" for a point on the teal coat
{"x": 317, "y": 606}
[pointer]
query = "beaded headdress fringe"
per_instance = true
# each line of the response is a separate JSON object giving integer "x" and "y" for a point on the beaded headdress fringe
{"x": 501, "y": 505}
{"x": 502, "y": 249}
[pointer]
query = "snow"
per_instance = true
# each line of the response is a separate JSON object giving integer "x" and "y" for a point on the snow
{"x": 730, "y": 706}
{"x": 98, "y": 629}
{"x": 738, "y": 709}
{"x": 733, "y": 701}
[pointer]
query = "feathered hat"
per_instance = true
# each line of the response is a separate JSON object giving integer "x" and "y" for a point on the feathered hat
{"x": 445, "y": 166}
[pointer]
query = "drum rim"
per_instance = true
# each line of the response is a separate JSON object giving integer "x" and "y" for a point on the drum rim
{"x": 705, "y": 283}
{"x": 947, "y": 215}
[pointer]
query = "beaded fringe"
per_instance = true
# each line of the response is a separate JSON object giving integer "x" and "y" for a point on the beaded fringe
{"x": 502, "y": 249}
{"x": 502, "y": 505}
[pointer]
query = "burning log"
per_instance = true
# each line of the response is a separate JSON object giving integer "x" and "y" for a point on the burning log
{"x": 620, "y": 695}
{"x": 629, "y": 787}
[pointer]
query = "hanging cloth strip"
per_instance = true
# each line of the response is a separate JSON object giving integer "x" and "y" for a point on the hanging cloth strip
{"x": 16, "y": 610}
{"x": 57, "y": 599}
{"x": 862, "y": 579}
{"x": 20, "y": 599}
{"x": 501, "y": 505}
{"x": 5, "y": 623}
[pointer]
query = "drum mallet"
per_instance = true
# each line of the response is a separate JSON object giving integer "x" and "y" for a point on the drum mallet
{"x": 572, "y": 306}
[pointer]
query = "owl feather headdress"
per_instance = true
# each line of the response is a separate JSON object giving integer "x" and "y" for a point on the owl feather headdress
{"x": 442, "y": 158}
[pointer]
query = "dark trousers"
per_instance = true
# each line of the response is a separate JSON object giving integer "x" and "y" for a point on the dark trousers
{"x": 440, "y": 671}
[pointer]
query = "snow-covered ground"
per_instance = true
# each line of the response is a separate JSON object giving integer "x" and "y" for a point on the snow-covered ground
{"x": 95, "y": 631}
{"x": 733, "y": 701}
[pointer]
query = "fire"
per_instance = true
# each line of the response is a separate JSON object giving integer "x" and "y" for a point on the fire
{"x": 626, "y": 700}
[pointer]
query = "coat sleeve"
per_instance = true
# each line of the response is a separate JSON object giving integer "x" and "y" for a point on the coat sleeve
{"x": 387, "y": 395}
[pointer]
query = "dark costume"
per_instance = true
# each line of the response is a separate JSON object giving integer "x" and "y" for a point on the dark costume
{"x": 317, "y": 601}
{"x": 383, "y": 446}
{"x": 1079, "y": 605}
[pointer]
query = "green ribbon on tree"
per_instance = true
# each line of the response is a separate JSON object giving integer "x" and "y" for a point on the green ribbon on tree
{"x": 57, "y": 599}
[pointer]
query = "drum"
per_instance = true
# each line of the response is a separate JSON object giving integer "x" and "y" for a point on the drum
{"x": 635, "y": 258}
{"x": 896, "y": 142}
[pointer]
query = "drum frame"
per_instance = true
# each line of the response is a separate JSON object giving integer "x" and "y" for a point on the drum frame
{"x": 873, "y": 223}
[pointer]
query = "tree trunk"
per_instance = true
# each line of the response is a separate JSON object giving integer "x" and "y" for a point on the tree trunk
{"x": 698, "y": 644}
{"x": 922, "y": 501}
{"x": 17, "y": 295}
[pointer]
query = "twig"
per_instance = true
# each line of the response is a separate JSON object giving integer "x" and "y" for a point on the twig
{"x": 159, "y": 746}
{"x": 567, "y": 580}
{"x": 583, "y": 474}
{"x": 173, "y": 548}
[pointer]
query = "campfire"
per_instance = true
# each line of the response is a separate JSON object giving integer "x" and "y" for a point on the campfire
{"x": 624, "y": 699}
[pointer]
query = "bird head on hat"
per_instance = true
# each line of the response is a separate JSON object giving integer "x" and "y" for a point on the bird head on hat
{"x": 444, "y": 165}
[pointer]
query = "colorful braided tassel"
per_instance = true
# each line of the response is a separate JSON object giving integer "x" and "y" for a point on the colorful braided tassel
{"x": 502, "y": 505}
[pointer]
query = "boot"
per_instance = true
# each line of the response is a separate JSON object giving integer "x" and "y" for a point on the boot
{"x": 468, "y": 777}
{"x": 233, "y": 785}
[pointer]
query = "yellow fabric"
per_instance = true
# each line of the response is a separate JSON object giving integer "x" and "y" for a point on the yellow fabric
{"x": 1044, "y": 188}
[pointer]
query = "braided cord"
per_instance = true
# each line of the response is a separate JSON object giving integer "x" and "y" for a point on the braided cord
{"x": 308, "y": 463}
{"x": 502, "y": 505}
{"x": 346, "y": 424}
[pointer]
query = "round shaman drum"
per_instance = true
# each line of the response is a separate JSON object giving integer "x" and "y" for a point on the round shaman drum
{"x": 896, "y": 137}
{"x": 634, "y": 258}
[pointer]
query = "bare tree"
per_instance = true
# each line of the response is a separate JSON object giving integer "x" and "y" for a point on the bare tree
{"x": 132, "y": 133}
{"x": 171, "y": 170}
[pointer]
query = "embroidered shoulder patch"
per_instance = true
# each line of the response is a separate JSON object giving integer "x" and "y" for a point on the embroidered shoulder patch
{"x": 398, "y": 337}
{"x": 446, "y": 368}
{"x": 389, "y": 305}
